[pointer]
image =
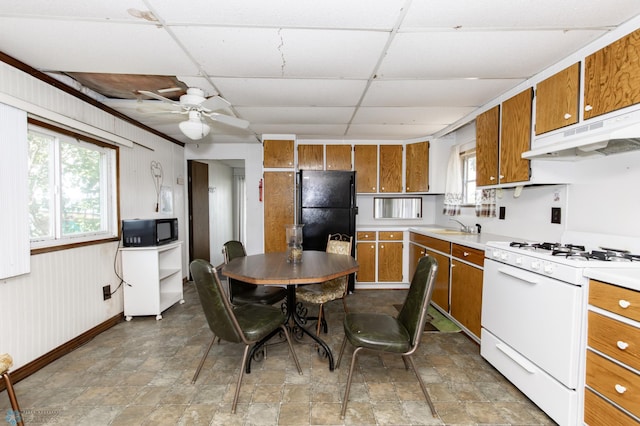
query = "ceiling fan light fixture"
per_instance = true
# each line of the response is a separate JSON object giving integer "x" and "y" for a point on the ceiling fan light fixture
{"x": 194, "y": 128}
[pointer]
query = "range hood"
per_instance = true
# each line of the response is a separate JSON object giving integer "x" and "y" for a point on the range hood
{"x": 614, "y": 135}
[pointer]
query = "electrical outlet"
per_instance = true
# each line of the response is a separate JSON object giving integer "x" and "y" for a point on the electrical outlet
{"x": 106, "y": 292}
{"x": 555, "y": 214}
{"x": 503, "y": 212}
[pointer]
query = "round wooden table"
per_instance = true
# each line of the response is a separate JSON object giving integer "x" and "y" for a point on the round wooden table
{"x": 273, "y": 268}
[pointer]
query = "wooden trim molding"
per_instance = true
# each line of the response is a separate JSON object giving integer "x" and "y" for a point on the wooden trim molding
{"x": 9, "y": 60}
{"x": 46, "y": 359}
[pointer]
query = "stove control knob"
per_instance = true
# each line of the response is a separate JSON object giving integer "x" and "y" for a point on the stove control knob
{"x": 535, "y": 265}
{"x": 504, "y": 256}
{"x": 496, "y": 254}
{"x": 548, "y": 269}
{"x": 519, "y": 260}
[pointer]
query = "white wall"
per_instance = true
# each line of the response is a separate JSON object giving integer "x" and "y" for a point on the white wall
{"x": 61, "y": 297}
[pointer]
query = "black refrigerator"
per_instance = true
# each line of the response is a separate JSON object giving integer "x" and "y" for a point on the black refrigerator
{"x": 327, "y": 205}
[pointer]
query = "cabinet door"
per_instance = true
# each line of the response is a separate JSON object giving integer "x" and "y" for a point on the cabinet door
{"x": 515, "y": 137}
{"x": 339, "y": 157}
{"x": 466, "y": 295}
{"x": 366, "y": 166}
{"x": 417, "y": 174}
{"x": 278, "y": 153}
{"x": 487, "y": 134}
{"x": 366, "y": 257}
{"x": 390, "y": 168}
{"x": 278, "y": 209}
{"x": 310, "y": 157}
{"x": 612, "y": 76}
{"x": 440, "y": 295}
{"x": 557, "y": 100}
{"x": 389, "y": 261}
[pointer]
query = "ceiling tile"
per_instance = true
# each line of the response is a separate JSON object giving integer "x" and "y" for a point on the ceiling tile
{"x": 355, "y": 14}
{"x": 512, "y": 54}
{"x": 461, "y": 92}
{"x": 389, "y": 131}
{"x": 315, "y": 131}
{"x": 296, "y": 115}
{"x": 266, "y": 52}
{"x": 290, "y": 92}
{"x": 519, "y": 15}
{"x": 112, "y": 10}
{"x": 410, "y": 115}
{"x": 85, "y": 47}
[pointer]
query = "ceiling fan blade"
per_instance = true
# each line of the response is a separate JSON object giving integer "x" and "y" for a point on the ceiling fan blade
{"x": 229, "y": 120}
{"x": 215, "y": 103}
{"x": 158, "y": 97}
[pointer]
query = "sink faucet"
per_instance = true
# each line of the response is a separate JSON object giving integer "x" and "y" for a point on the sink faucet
{"x": 464, "y": 228}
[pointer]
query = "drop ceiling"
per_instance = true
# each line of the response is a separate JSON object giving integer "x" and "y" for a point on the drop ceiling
{"x": 332, "y": 69}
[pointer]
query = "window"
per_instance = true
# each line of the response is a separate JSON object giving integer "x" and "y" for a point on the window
{"x": 72, "y": 188}
{"x": 468, "y": 159}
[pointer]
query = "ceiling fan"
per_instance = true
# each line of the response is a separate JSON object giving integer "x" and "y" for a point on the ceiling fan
{"x": 196, "y": 106}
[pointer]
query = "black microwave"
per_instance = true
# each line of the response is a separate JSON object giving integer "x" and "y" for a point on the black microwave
{"x": 149, "y": 232}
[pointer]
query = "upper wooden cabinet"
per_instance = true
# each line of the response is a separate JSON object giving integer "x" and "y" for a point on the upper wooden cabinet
{"x": 366, "y": 167}
{"x": 278, "y": 153}
{"x": 487, "y": 139}
{"x": 338, "y": 157}
{"x": 311, "y": 157}
{"x": 515, "y": 137}
{"x": 417, "y": 167}
{"x": 612, "y": 76}
{"x": 390, "y": 168}
{"x": 557, "y": 100}
{"x": 278, "y": 209}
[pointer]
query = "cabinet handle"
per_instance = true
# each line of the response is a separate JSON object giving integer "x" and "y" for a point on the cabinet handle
{"x": 620, "y": 389}
{"x": 422, "y": 253}
{"x": 372, "y": 246}
{"x": 465, "y": 253}
{"x": 373, "y": 188}
{"x": 492, "y": 178}
{"x": 501, "y": 176}
{"x": 382, "y": 246}
{"x": 622, "y": 345}
{"x": 588, "y": 107}
{"x": 624, "y": 304}
{"x": 567, "y": 116}
{"x": 390, "y": 235}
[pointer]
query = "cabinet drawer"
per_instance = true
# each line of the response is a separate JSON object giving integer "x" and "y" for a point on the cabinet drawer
{"x": 618, "y": 384}
{"x": 469, "y": 254}
{"x": 621, "y": 301}
{"x": 597, "y": 412}
{"x": 616, "y": 339}
{"x": 390, "y": 235}
{"x": 434, "y": 243}
{"x": 366, "y": 235}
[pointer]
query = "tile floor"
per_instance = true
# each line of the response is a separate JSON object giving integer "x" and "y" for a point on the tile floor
{"x": 139, "y": 373}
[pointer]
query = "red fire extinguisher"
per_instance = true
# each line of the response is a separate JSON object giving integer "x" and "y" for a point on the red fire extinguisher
{"x": 260, "y": 190}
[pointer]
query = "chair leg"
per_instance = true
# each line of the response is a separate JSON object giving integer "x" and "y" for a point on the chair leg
{"x": 293, "y": 353}
{"x": 424, "y": 388}
{"x": 204, "y": 357}
{"x": 344, "y": 344}
{"x": 12, "y": 398}
{"x": 349, "y": 379}
{"x": 406, "y": 364}
{"x": 242, "y": 367}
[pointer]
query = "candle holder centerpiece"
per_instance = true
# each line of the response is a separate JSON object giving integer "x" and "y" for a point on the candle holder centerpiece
{"x": 294, "y": 243}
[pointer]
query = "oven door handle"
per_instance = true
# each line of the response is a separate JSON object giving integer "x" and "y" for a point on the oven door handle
{"x": 516, "y": 357}
{"x": 528, "y": 278}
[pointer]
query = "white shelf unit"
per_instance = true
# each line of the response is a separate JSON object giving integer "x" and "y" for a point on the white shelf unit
{"x": 153, "y": 279}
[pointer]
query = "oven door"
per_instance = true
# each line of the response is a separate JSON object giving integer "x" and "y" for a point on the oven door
{"x": 538, "y": 317}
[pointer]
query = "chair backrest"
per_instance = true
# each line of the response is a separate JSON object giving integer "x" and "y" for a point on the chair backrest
{"x": 233, "y": 249}
{"x": 413, "y": 314}
{"x": 339, "y": 244}
{"x": 216, "y": 306}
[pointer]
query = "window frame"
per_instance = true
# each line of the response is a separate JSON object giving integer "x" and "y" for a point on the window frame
{"x": 464, "y": 158}
{"x": 112, "y": 233}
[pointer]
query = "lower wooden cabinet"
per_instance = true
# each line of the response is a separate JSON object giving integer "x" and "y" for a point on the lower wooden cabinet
{"x": 380, "y": 256}
{"x": 389, "y": 261}
{"x": 366, "y": 257}
{"x": 440, "y": 295}
{"x": 466, "y": 295}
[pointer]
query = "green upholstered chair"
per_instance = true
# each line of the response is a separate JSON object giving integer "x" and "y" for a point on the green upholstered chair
{"x": 334, "y": 289}
{"x": 241, "y": 292}
{"x": 245, "y": 324}
{"x": 385, "y": 333}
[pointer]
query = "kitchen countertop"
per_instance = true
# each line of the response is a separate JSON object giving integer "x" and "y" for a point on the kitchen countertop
{"x": 477, "y": 241}
{"x": 628, "y": 278}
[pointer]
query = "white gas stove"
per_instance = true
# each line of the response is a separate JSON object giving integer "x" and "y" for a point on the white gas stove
{"x": 533, "y": 313}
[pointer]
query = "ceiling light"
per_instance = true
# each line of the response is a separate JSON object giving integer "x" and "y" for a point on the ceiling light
{"x": 194, "y": 128}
